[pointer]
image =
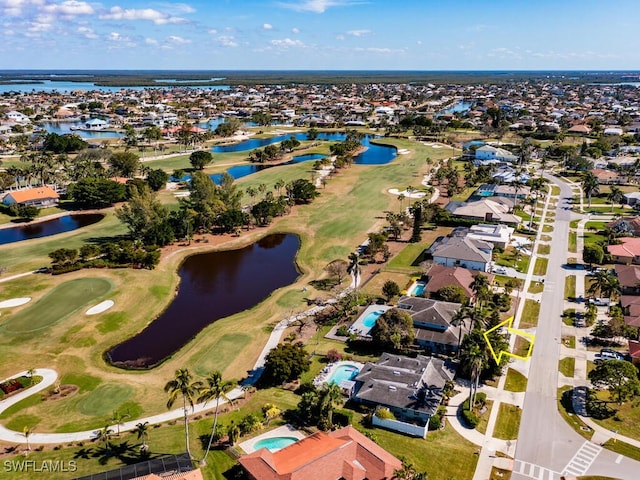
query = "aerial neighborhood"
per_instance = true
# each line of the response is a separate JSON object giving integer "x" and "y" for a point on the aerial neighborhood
{"x": 283, "y": 279}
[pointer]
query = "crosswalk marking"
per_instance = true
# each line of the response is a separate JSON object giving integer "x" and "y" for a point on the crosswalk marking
{"x": 583, "y": 459}
{"x": 534, "y": 471}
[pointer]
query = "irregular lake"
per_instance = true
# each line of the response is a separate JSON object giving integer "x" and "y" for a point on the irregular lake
{"x": 374, "y": 155}
{"x": 240, "y": 171}
{"x": 48, "y": 227}
{"x": 212, "y": 286}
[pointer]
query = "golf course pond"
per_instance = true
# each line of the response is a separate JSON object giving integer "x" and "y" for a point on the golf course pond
{"x": 45, "y": 228}
{"x": 212, "y": 286}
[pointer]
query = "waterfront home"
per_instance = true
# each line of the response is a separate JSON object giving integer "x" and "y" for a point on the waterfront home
{"x": 410, "y": 388}
{"x": 40, "y": 197}
{"x": 488, "y": 152}
{"x": 343, "y": 453}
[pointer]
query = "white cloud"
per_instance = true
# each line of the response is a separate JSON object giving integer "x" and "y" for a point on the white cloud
{"x": 151, "y": 41}
{"x": 359, "y": 33}
{"x": 318, "y": 6}
{"x": 155, "y": 16}
{"x": 287, "y": 43}
{"x": 227, "y": 41}
{"x": 176, "y": 40}
{"x": 69, "y": 8}
{"x": 213, "y": 31}
{"x": 295, "y": 30}
{"x": 267, "y": 26}
{"x": 380, "y": 50}
{"x": 115, "y": 37}
{"x": 87, "y": 32}
{"x": 339, "y": 37}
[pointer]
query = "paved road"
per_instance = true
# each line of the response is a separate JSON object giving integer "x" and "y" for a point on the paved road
{"x": 547, "y": 447}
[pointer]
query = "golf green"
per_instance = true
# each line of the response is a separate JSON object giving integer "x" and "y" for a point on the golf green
{"x": 60, "y": 302}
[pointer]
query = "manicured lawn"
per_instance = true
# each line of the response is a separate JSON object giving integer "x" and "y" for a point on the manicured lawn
{"x": 508, "y": 422}
{"x": 515, "y": 382}
{"x": 57, "y": 304}
{"x": 499, "y": 474}
{"x": 536, "y": 287}
{"x": 622, "y": 448}
{"x": 574, "y": 224}
{"x": 626, "y": 419}
{"x": 569, "y": 342}
{"x": 569, "y": 287}
{"x": 547, "y": 228}
{"x": 521, "y": 346}
{"x": 573, "y": 242}
{"x": 544, "y": 249}
{"x": 540, "y": 268}
{"x": 530, "y": 314}
{"x": 484, "y": 418}
{"x": 566, "y": 366}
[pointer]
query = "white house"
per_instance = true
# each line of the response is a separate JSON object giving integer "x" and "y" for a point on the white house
{"x": 17, "y": 117}
{"x": 488, "y": 152}
{"x": 463, "y": 252}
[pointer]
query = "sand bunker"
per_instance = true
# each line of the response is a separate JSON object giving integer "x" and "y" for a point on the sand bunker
{"x": 395, "y": 191}
{"x": 15, "y": 302}
{"x": 101, "y": 307}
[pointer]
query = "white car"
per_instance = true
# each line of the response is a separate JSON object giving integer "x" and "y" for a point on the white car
{"x": 500, "y": 270}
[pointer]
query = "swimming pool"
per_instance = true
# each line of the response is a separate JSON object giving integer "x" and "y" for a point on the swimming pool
{"x": 343, "y": 372}
{"x": 274, "y": 444}
{"x": 417, "y": 289}
{"x": 371, "y": 318}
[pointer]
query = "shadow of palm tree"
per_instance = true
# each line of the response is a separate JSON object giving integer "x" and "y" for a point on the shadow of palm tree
{"x": 85, "y": 453}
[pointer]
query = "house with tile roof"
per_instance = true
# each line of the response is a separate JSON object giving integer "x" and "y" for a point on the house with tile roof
{"x": 625, "y": 252}
{"x": 432, "y": 322}
{"x": 341, "y": 454}
{"x": 410, "y": 388}
{"x": 629, "y": 278}
{"x": 626, "y": 226}
{"x": 39, "y": 197}
{"x": 463, "y": 252}
{"x": 439, "y": 276}
{"x": 495, "y": 209}
{"x": 488, "y": 152}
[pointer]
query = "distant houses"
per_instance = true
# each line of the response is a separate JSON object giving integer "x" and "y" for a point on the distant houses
{"x": 490, "y": 153}
{"x": 40, "y": 197}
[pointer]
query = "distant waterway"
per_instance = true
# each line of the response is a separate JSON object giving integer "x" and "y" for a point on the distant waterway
{"x": 66, "y": 86}
{"x": 46, "y": 228}
{"x": 64, "y": 128}
{"x": 212, "y": 286}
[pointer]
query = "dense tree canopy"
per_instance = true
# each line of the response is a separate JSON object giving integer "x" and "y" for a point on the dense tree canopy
{"x": 124, "y": 164}
{"x": 285, "y": 363}
{"x": 64, "y": 143}
{"x": 147, "y": 219}
{"x": 393, "y": 329}
{"x": 619, "y": 377}
{"x": 96, "y": 192}
{"x": 200, "y": 159}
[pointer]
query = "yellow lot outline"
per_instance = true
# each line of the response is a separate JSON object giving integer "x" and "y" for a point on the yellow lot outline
{"x": 509, "y": 323}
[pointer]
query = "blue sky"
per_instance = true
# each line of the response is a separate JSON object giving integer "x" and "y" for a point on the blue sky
{"x": 320, "y": 34}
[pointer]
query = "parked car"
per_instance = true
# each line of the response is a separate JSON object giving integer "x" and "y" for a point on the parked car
{"x": 610, "y": 355}
{"x": 600, "y": 302}
{"x": 500, "y": 270}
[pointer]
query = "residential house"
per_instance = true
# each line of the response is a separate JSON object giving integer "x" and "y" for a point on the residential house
{"x": 632, "y": 198}
{"x": 580, "y": 130}
{"x": 488, "y": 152}
{"x": 17, "y": 117}
{"x": 629, "y": 278}
{"x": 432, "y": 322}
{"x": 40, "y": 197}
{"x": 627, "y": 251}
{"x": 607, "y": 177}
{"x": 344, "y": 453}
{"x": 462, "y": 252}
{"x": 168, "y": 467}
{"x": 634, "y": 352}
{"x": 439, "y": 276}
{"x": 499, "y": 235}
{"x": 630, "y": 305}
{"x": 495, "y": 209}
{"x": 626, "y": 226}
{"x": 411, "y": 388}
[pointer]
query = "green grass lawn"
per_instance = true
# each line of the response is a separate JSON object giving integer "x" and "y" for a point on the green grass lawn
{"x": 569, "y": 287}
{"x": 544, "y": 249}
{"x": 566, "y": 366}
{"x": 530, "y": 314}
{"x": 508, "y": 422}
{"x": 569, "y": 342}
{"x": 573, "y": 242}
{"x": 626, "y": 419}
{"x": 540, "y": 268}
{"x": 623, "y": 448}
{"x": 536, "y": 287}
{"x": 484, "y": 418}
{"x": 515, "y": 382}
{"x": 57, "y": 305}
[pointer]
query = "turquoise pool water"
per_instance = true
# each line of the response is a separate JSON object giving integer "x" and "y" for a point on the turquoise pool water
{"x": 275, "y": 443}
{"x": 371, "y": 318}
{"x": 418, "y": 289}
{"x": 343, "y": 372}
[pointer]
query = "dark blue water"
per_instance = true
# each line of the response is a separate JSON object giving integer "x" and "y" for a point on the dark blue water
{"x": 48, "y": 227}
{"x": 374, "y": 155}
{"x": 67, "y": 86}
{"x": 212, "y": 286}
{"x": 63, "y": 128}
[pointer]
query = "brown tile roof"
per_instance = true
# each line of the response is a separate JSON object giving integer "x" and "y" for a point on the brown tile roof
{"x": 628, "y": 275}
{"x": 441, "y": 276}
{"x": 29, "y": 194}
{"x": 634, "y": 348}
{"x": 343, "y": 453}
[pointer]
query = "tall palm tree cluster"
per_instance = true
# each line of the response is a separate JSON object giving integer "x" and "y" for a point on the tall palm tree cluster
{"x": 184, "y": 387}
{"x": 474, "y": 352}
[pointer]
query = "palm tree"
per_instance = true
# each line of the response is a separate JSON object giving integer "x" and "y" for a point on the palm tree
{"x": 233, "y": 431}
{"x": 517, "y": 186}
{"x": 183, "y": 385}
{"x": 401, "y": 198}
{"x": 118, "y": 419}
{"x": 26, "y": 433}
{"x": 214, "y": 388}
{"x": 329, "y": 396}
{"x": 604, "y": 283}
{"x": 475, "y": 359}
{"x": 615, "y": 196}
{"x": 354, "y": 268}
{"x": 30, "y": 373}
{"x": 459, "y": 320}
{"x": 142, "y": 430}
{"x": 104, "y": 435}
{"x": 279, "y": 185}
{"x": 480, "y": 288}
{"x": 590, "y": 186}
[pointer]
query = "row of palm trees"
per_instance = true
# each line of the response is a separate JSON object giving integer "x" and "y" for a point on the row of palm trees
{"x": 189, "y": 390}
{"x": 591, "y": 186}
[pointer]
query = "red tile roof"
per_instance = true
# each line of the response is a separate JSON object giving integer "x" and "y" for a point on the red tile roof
{"x": 634, "y": 348}
{"x": 628, "y": 247}
{"x": 30, "y": 194}
{"x": 344, "y": 453}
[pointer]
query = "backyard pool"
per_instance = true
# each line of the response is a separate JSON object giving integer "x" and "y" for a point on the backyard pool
{"x": 417, "y": 289}
{"x": 343, "y": 372}
{"x": 367, "y": 320}
{"x": 370, "y": 319}
{"x": 274, "y": 444}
